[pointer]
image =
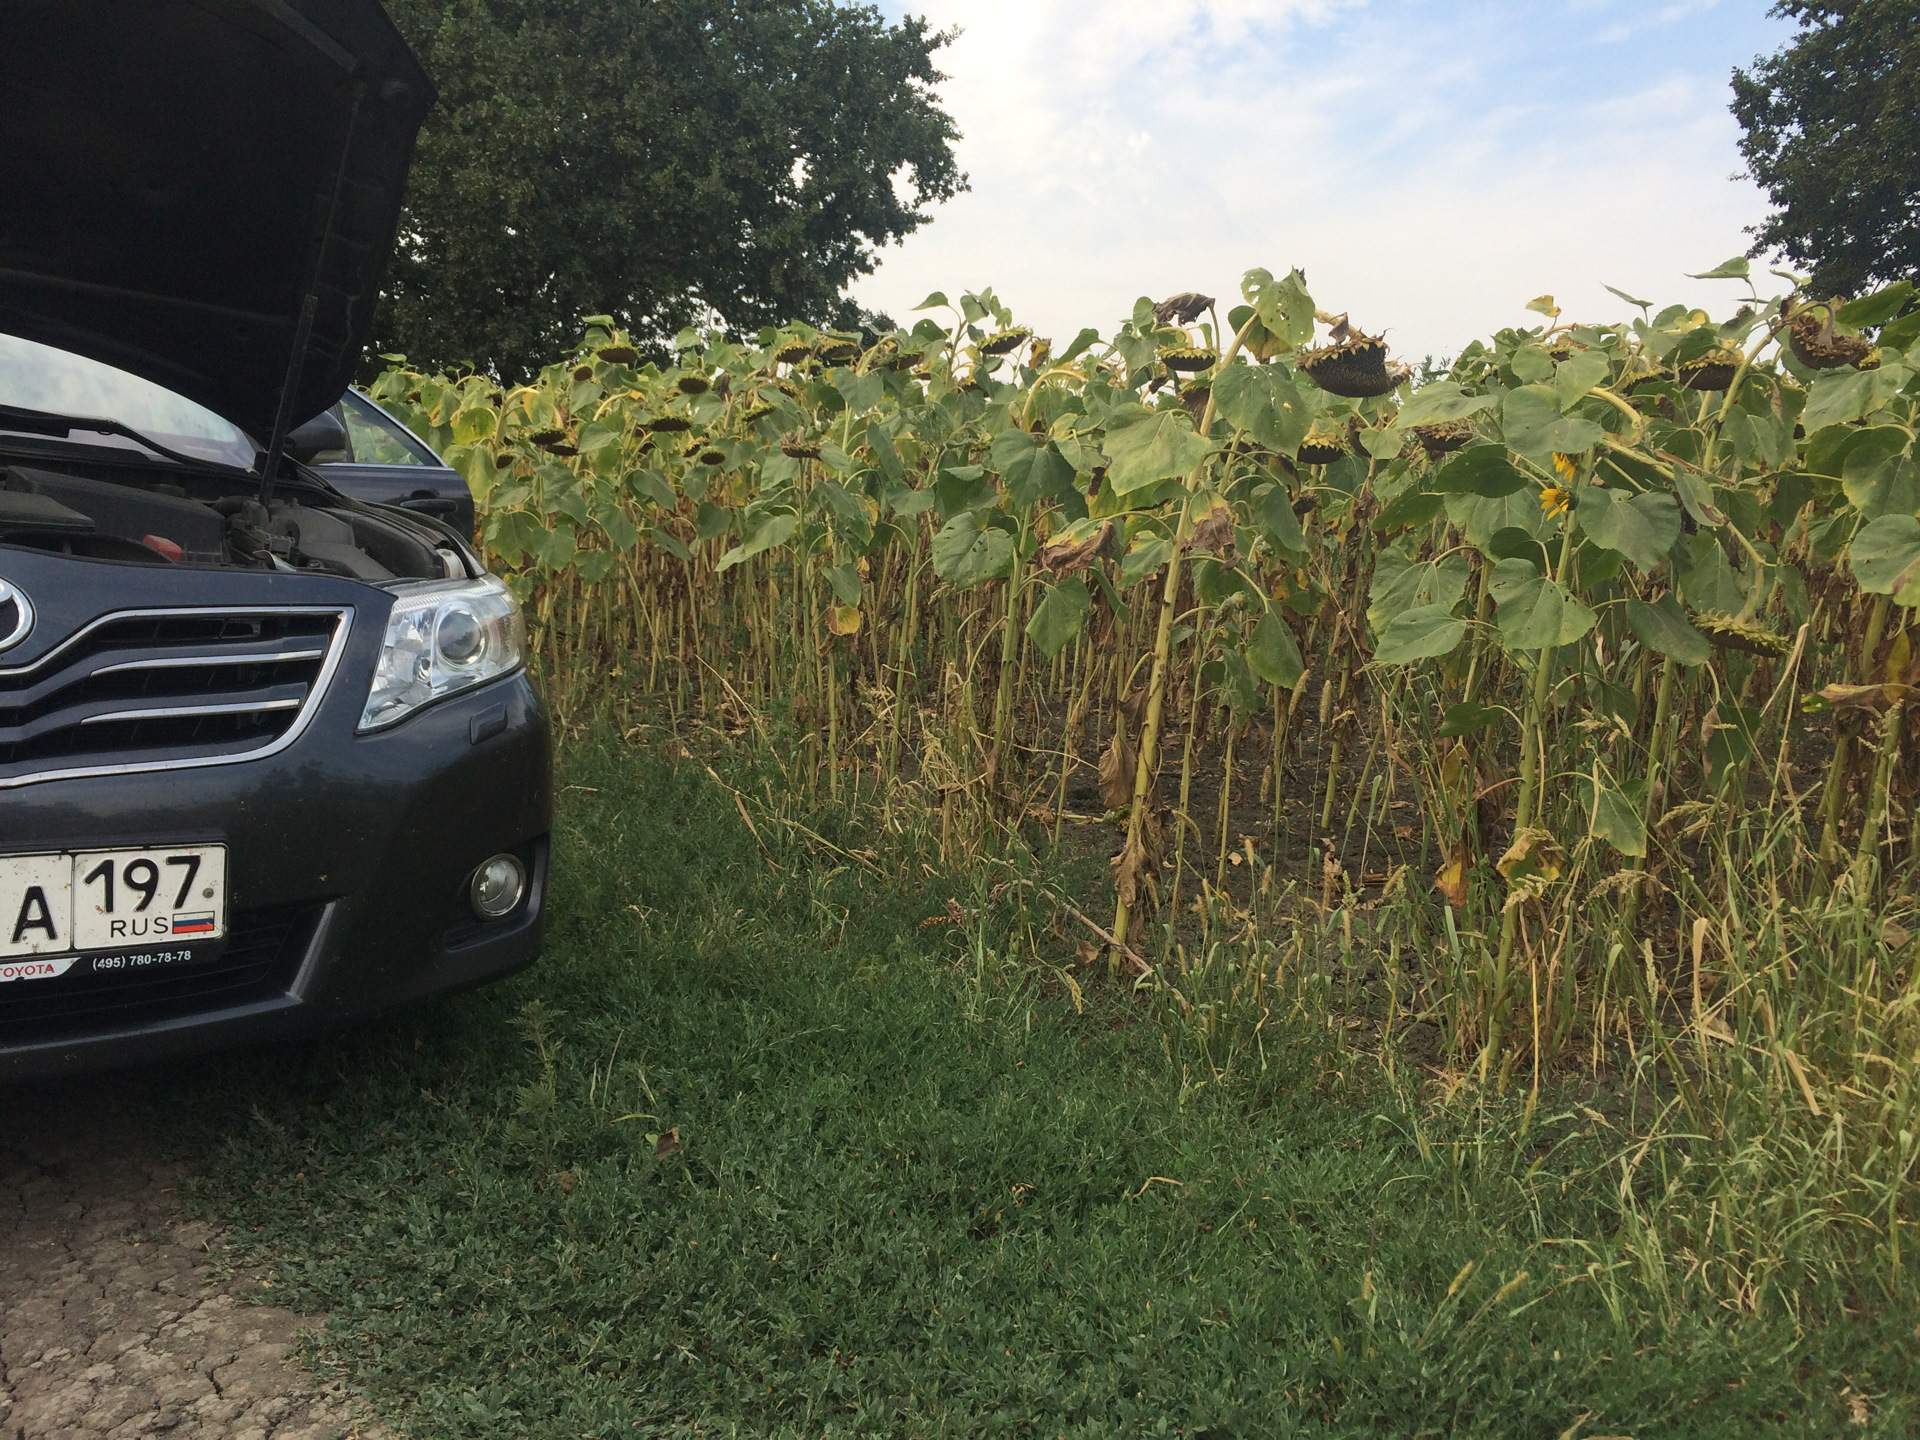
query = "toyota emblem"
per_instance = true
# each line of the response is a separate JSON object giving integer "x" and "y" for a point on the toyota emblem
{"x": 16, "y": 615}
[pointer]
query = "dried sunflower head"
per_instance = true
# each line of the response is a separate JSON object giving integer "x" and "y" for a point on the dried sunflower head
{"x": 1443, "y": 438}
{"x": 1194, "y": 395}
{"x": 754, "y": 412}
{"x": 666, "y": 423}
{"x": 1323, "y": 445}
{"x": 1712, "y": 371}
{"x": 800, "y": 446}
{"x": 583, "y": 372}
{"x": 1729, "y": 632}
{"x": 1815, "y": 344}
{"x": 693, "y": 385}
{"x": 1041, "y": 352}
{"x": 792, "y": 352}
{"x": 1003, "y": 342}
{"x": 711, "y": 456}
{"x": 1182, "y": 309}
{"x": 619, "y": 354}
{"x": 1355, "y": 367}
{"x": 1187, "y": 358}
{"x": 836, "y": 348}
{"x": 548, "y": 437}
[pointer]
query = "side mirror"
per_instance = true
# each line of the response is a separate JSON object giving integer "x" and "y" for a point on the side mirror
{"x": 320, "y": 440}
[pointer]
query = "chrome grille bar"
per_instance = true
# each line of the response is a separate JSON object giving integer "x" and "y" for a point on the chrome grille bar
{"x": 175, "y": 737}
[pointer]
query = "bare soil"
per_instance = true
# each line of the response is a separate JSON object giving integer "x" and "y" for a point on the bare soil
{"x": 117, "y": 1317}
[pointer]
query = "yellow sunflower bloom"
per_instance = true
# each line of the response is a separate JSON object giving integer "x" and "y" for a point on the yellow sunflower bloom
{"x": 1565, "y": 466}
{"x": 1555, "y": 500}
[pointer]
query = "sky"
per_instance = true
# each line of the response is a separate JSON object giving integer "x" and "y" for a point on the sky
{"x": 1431, "y": 165}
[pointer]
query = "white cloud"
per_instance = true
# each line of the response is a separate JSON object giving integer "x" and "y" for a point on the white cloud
{"x": 1431, "y": 167}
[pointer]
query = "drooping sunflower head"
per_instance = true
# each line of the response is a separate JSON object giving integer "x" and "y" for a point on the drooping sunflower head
{"x": 1003, "y": 342}
{"x": 1712, "y": 371}
{"x": 694, "y": 385}
{"x": 1323, "y": 445}
{"x": 792, "y": 352}
{"x": 836, "y": 349}
{"x": 1187, "y": 358}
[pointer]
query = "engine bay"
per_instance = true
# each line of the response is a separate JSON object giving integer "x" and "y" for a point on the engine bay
{"x": 209, "y": 518}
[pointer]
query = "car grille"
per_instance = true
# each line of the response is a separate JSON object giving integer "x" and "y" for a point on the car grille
{"x": 161, "y": 689}
{"x": 263, "y": 950}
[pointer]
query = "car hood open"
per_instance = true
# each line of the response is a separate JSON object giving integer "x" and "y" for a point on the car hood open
{"x": 168, "y": 172}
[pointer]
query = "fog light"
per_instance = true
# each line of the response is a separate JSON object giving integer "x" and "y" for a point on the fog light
{"x": 496, "y": 887}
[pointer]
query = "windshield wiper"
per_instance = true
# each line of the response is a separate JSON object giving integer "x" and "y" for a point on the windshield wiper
{"x": 60, "y": 427}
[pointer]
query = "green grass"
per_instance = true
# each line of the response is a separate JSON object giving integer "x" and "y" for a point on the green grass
{"x": 917, "y": 1194}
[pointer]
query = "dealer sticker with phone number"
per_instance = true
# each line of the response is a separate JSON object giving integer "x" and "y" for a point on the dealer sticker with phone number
{"x": 150, "y": 905}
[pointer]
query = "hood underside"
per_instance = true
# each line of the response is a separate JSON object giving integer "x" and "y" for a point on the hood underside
{"x": 168, "y": 171}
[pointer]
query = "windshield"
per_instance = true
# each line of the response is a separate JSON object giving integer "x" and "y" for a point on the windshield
{"x": 39, "y": 377}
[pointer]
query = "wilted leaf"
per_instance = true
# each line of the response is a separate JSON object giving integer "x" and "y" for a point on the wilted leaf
{"x": 1451, "y": 882}
{"x": 1533, "y": 860}
{"x": 1117, "y": 765}
{"x": 1212, "y": 526}
{"x": 1075, "y": 547}
{"x": 843, "y": 619}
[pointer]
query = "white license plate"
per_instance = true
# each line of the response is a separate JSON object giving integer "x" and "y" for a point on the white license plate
{"x": 154, "y": 907}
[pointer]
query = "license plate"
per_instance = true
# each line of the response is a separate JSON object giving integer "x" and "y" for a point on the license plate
{"x": 114, "y": 909}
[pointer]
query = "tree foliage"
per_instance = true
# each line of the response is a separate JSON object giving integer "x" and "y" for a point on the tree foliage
{"x": 663, "y": 163}
{"x": 1832, "y": 125}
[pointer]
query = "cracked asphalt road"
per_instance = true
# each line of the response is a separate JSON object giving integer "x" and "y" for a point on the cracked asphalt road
{"x": 117, "y": 1318}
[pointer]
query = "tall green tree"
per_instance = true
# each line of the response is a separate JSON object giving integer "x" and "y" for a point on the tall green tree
{"x": 661, "y": 161}
{"x": 1832, "y": 125}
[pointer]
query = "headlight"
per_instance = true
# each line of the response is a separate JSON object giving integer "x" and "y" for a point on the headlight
{"x": 444, "y": 636}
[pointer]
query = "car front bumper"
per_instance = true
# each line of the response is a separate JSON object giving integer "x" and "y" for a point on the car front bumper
{"x": 348, "y": 864}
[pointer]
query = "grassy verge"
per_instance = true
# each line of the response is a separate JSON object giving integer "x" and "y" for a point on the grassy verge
{"x": 754, "y": 1151}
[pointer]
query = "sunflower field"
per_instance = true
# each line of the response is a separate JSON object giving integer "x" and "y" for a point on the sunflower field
{"x": 1548, "y": 704}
